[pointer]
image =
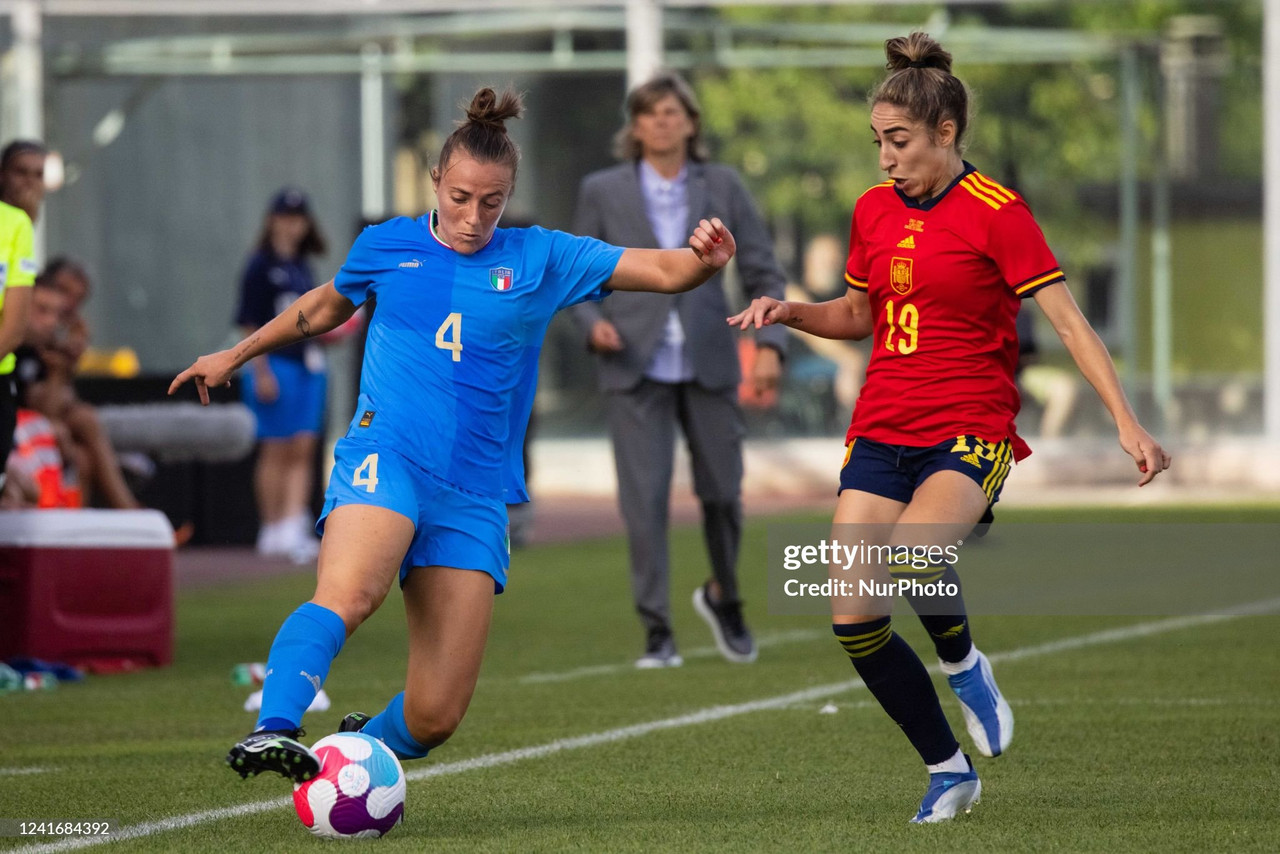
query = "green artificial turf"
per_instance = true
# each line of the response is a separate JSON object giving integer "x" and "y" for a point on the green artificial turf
{"x": 1165, "y": 741}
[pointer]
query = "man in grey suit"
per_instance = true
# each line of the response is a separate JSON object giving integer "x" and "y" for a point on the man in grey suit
{"x": 673, "y": 360}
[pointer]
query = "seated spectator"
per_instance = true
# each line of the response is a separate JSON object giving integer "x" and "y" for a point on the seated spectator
{"x": 50, "y": 391}
{"x": 44, "y": 324}
{"x": 38, "y": 475}
{"x": 42, "y": 467}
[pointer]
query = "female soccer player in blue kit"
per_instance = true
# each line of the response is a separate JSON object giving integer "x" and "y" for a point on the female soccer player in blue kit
{"x": 433, "y": 453}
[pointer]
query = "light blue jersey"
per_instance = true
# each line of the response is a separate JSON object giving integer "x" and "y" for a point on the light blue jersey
{"x": 451, "y": 360}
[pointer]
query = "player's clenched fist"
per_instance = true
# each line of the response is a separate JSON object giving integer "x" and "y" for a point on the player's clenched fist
{"x": 713, "y": 243}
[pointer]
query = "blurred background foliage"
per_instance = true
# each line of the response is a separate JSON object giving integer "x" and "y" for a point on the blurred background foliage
{"x": 1047, "y": 129}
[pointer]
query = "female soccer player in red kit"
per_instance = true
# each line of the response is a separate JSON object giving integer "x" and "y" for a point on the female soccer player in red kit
{"x": 939, "y": 257}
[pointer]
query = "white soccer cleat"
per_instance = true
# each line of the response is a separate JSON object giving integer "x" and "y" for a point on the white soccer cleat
{"x": 948, "y": 795}
{"x": 987, "y": 715}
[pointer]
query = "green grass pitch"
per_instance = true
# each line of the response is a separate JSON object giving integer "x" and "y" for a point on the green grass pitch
{"x": 1165, "y": 742}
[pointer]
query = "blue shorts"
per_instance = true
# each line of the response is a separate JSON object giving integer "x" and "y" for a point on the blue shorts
{"x": 300, "y": 405}
{"x": 895, "y": 471}
{"x": 452, "y": 527}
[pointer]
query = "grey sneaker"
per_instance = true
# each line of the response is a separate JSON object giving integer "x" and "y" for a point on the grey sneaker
{"x": 733, "y": 639}
{"x": 659, "y": 651}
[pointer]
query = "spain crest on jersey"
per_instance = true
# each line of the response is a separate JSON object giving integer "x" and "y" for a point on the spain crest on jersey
{"x": 900, "y": 275}
{"x": 500, "y": 278}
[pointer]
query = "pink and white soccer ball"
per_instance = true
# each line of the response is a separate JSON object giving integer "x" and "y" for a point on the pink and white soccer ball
{"x": 359, "y": 792}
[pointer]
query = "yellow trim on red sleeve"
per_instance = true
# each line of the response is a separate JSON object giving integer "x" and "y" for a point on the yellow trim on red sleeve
{"x": 1047, "y": 278}
{"x": 856, "y": 283}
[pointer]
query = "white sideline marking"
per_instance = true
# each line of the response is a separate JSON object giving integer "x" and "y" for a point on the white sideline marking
{"x": 1162, "y": 702}
{"x": 1145, "y": 701}
{"x": 20, "y": 772}
{"x": 776, "y": 639}
{"x": 712, "y": 713}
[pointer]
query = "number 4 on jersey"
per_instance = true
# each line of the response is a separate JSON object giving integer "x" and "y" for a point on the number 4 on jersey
{"x": 367, "y": 474}
{"x": 452, "y": 323}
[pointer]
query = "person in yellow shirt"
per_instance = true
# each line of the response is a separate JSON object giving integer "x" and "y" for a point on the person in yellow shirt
{"x": 17, "y": 273}
{"x": 21, "y": 192}
{"x": 22, "y": 175}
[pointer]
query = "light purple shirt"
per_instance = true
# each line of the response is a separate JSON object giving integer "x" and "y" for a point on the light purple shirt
{"x": 666, "y": 203}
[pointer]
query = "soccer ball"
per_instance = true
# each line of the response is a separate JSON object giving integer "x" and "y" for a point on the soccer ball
{"x": 359, "y": 792}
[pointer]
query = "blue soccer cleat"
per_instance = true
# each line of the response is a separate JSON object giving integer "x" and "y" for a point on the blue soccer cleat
{"x": 948, "y": 794}
{"x": 986, "y": 713}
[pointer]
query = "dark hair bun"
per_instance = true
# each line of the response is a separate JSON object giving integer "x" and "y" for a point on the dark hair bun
{"x": 917, "y": 50}
{"x": 489, "y": 109}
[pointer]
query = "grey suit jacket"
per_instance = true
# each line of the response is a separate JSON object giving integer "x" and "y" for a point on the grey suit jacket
{"x": 611, "y": 207}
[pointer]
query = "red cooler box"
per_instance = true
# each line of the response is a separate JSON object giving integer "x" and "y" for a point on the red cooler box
{"x": 87, "y": 586}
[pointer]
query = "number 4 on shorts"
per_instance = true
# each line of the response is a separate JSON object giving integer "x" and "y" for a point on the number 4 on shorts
{"x": 367, "y": 474}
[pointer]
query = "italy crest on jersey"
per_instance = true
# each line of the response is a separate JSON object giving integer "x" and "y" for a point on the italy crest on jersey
{"x": 500, "y": 278}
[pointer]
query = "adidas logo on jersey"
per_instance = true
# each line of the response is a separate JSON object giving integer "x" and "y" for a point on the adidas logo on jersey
{"x": 972, "y": 459}
{"x": 909, "y": 242}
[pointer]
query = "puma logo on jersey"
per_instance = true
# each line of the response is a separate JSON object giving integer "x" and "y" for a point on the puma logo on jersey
{"x": 414, "y": 263}
{"x": 972, "y": 459}
{"x": 908, "y": 243}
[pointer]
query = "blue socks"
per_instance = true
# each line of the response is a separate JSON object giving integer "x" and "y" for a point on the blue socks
{"x": 298, "y": 663}
{"x": 389, "y": 726}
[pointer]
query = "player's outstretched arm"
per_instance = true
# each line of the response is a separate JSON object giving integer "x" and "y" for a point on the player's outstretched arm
{"x": 673, "y": 271}
{"x": 314, "y": 313}
{"x": 1094, "y": 362}
{"x": 845, "y": 318}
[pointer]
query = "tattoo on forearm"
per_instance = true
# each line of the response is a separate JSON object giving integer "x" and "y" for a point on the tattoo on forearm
{"x": 248, "y": 344}
{"x": 303, "y": 326}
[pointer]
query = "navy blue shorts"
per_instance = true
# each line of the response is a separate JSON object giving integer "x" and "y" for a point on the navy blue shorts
{"x": 895, "y": 471}
{"x": 453, "y": 527}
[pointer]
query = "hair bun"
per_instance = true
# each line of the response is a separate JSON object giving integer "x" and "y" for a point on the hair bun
{"x": 917, "y": 50}
{"x": 488, "y": 109}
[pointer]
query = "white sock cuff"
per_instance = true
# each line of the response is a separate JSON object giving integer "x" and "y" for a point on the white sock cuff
{"x": 951, "y": 668}
{"x": 955, "y": 765}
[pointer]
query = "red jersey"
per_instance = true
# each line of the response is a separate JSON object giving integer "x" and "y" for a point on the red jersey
{"x": 944, "y": 278}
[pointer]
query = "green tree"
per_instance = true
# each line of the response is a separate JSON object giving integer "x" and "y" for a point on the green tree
{"x": 800, "y": 135}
